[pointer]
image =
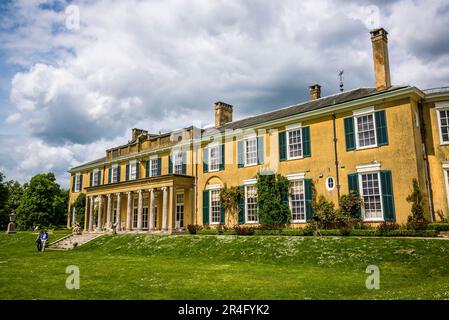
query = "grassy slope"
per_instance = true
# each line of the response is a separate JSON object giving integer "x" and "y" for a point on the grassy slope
{"x": 208, "y": 267}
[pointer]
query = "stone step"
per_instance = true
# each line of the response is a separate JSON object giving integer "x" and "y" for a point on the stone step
{"x": 72, "y": 241}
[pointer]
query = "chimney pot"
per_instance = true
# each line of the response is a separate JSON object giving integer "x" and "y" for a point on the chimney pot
{"x": 379, "y": 41}
{"x": 315, "y": 92}
{"x": 223, "y": 113}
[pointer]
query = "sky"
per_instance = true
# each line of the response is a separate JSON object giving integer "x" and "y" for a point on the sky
{"x": 77, "y": 76}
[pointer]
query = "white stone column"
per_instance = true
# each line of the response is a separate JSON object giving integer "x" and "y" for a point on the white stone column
{"x": 173, "y": 224}
{"x": 100, "y": 212}
{"x": 119, "y": 212}
{"x": 91, "y": 214}
{"x": 151, "y": 209}
{"x": 139, "y": 211}
{"x": 109, "y": 212}
{"x": 86, "y": 214}
{"x": 128, "y": 210}
{"x": 164, "y": 208}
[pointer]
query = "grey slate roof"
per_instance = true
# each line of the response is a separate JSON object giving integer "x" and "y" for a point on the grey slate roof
{"x": 300, "y": 108}
{"x": 436, "y": 90}
{"x": 99, "y": 160}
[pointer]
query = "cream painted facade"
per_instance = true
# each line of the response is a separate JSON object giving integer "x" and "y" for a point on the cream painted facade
{"x": 372, "y": 140}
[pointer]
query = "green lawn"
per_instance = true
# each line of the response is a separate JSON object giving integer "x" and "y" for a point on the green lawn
{"x": 226, "y": 267}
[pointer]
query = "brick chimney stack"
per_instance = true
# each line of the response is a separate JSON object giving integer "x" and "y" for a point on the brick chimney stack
{"x": 379, "y": 42}
{"x": 315, "y": 92}
{"x": 136, "y": 132}
{"x": 223, "y": 113}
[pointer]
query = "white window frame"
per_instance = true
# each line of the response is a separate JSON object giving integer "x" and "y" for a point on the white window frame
{"x": 245, "y": 143}
{"x": 250, "y": 183}
{"x": 133, "y": 164}
{"x": 214, "y": 188}
{"x": 151, "y": 168}
{"x": 78, "y": 185}
{"x": 446, "y": 179}
{"x": 209, "y": 151}
{"x": 327, "y": 183}
{"x": 95, "y": 178}
{"x": 288, "y": 130}
{"x": 176, "y": 155}
{"x": 114, "y": 171}
{"x": 441, "y": 106}
{"x": 145, "y": 208}
{"x": 135, "y": 214}
{"x": 180, "y": 204}
{"x": 371, "y": 169}
{"x": 296, "y": 178}
{"x": 361, "y": 113}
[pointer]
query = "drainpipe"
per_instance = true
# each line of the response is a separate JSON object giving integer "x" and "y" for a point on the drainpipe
{"x": 426, "y": 161}
{"x": 336, "y": 158}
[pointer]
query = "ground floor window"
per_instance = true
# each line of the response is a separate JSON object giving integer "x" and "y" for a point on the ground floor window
{"x": 252, "y": 214}
{"x": 297, "y": 201}
{"x": 371, "y": 195}
{"x": 155, "y": 213}
{"x": 135, "y": 212}
{"x": 215, "y": 207}
{"x": 114, "y": 212}
{"x": 145, "y": 213}
{"x": 180, "y": 210}
{"x": 446, "y": 178}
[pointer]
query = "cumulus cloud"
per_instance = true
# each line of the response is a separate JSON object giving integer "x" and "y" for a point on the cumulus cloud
{"x": 160, "y": 64}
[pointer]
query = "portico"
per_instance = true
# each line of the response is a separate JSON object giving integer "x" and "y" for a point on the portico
{"x": 155, "y": 204}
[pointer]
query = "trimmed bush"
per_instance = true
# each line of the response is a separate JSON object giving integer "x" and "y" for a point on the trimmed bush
{"x": 244, "y": 231}
{"x": 440, "y": 226}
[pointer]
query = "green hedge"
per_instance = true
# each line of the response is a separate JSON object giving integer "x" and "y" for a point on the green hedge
{"x": 439, "y": 226}
{"x": 330, "y": 232}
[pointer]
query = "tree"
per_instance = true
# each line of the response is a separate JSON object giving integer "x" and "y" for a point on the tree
{"x": 80, "y": 206}
{"x": 350, "y": 207}
{"x": 43, "y": 203}
{"x": 272, "y": 199}
{"x": 4, "y": 219}
{"x": 229, "y": 199}
{"x": 416, "y": 220}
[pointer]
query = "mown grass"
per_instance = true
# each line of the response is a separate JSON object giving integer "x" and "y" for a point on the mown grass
{"x": 226, "y": 267}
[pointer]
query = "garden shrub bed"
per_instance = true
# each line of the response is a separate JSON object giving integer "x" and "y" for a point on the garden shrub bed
{"x": 329, "y": 232}
{"x": 439, "y": 226}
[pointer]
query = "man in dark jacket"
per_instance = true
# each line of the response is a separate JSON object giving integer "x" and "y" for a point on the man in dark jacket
{"x": 38, "y": 241}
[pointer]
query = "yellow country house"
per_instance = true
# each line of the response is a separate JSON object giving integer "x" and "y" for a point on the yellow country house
{"x": 373, "y": 140}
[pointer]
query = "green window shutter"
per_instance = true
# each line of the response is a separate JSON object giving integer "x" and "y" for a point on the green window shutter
{"x": 73, "y": 183}
{"x": 260, "y": 150}
{"x": 127, "y": 172}
{"x": 308, "y": 198}
{"x": 109, "y": 175}
{"x": 119, "y": 171}
{"x": 206, "y": 196}
{"x": 285, "y": 199}
{"x": 137, "y": 169}
{"x": 387, "y": 195}
{"x": 353, "y": 182}
{"x": 242, "y": 206}
{"x": 91, "y": 175}
{"x": 349, "y": 134}
{"x": 81, "y": 182}
{"x": 170, "y": 164}
{"x": 99, "y": 177}
{"x": 222, "y": 214}
{"x": 306, "y": 141}
{"x": 184, "y": 163}
{"x": 282, "y": 146}
{"x": 353, "y": 186}
{"x": 206, "y": 160}
{"x": 222, "y": 157}
{"x": 240, "y": 158}
{"x": 147, "y": 168}
{"x": 381, "y": 128}
{"x": 159, "y": 166}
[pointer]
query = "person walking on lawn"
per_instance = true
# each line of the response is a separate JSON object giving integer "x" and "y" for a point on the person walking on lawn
{"x": 44, "y": 239}
{"x": 38, "y": 241}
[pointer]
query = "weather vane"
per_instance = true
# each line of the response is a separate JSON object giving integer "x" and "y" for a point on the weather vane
{"x": 340, "y": 76}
